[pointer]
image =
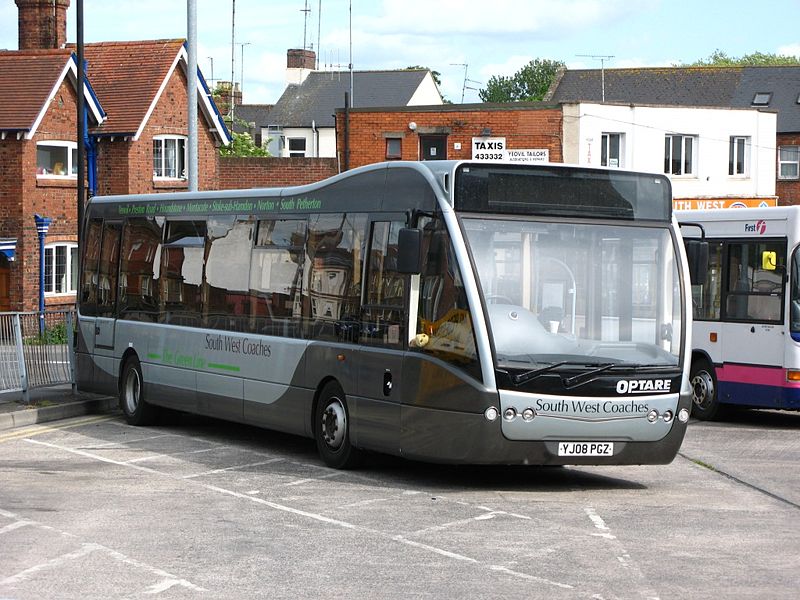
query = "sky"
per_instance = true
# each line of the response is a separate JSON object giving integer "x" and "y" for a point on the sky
{"x": 466, "y": 41}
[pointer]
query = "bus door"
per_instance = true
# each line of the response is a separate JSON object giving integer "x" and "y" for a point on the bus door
{"x": 384, "y": 337}
{"x": 99, "y": 295}
{"x": 99, "y": 289}
{"x": 753, "y": 323}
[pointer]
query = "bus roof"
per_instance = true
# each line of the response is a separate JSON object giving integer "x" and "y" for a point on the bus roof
{"x": 743, "y": 222}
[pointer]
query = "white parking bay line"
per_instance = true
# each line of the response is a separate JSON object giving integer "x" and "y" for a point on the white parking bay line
{"x": 233, "y": 468}
{"x": 312, "y": 516}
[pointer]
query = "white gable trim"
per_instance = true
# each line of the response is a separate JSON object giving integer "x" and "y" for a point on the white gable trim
{"x": 157, "y": 97}
{"x": 210, "y": 114}
{"x": 70, "y": 68}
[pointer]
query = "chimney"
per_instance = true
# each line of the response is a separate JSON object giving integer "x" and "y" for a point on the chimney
{"x": 299, "y": 63}
{"x": 42, "y": 23}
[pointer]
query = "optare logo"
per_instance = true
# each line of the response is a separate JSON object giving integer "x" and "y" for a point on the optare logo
{"x": 643, "y": 386}
{"x": 759, "y": 227}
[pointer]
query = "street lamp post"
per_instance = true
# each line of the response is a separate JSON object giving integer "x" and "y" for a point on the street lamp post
{"x": 243, "y": 44}
{"x": 42, "y": 225}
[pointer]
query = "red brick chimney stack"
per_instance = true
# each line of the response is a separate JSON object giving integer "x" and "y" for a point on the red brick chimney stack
{"x": 42, "y": 23}
{"x": 301, "y": 59}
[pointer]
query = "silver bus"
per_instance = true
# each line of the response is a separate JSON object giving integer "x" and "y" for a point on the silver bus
{"x": 447, "y": 311}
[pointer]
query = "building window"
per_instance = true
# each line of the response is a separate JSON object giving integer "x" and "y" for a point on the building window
{"x": 169, "y": 157}
{"x": 788, "y": 162}
{"x": 57, "y": 159}
{"x": 680, "y": 154}
{"x": 275, "y": 140}
{"x": 762, "y": 98}
{"x": 60, "y": 269}
{"x": 394, "y": 148}
{"x": 297, "y": 147}
{"x": 610, "y": 151}
{"x": 737, "y": 156}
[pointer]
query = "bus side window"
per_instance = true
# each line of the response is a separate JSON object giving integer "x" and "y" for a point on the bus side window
{"x": 276, "y": 271}
{"x": 445, "y": 324}
{"x": 91, "y": 258}
{"x": 383, "y": 321}
{"x": 335, "y": 249}
{"x": 755, "y": 294}
{"x": 182, "y": 258}
{"x": 707, "y": 294}
{"x": 139, "y": 268}
{"x": 227, "y": 274}
{"x": 108, "y": 268}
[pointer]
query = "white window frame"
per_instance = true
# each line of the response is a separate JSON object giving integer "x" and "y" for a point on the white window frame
{"x": 795, "y": 162}
{"x": 50, "y": 265}
{"x": 669, "y": 153}
{"x": 70, "y": 162}
{"x": 161, "y": 140}
{"x": 605, "y": 149}
{"x": 296, "y": 153}
{"x": 737, "y": 142}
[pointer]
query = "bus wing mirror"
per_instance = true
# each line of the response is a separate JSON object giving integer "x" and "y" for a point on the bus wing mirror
{"x": 409, "y": 251}
{"x": 697, "y": 254}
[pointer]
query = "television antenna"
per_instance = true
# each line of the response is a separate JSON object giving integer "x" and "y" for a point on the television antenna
{"x": 465, "y": 87}
{"x": 602, "y": 58}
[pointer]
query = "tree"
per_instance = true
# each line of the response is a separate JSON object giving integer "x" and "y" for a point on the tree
{"x": 719, "y": 58}
{"x": 242, "y": 144}
{"x": 530, "y": 83}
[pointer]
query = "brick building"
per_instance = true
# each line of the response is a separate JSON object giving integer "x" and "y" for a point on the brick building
{"x": 447, "y": 131}
{"x": 137, "y": 100}
{"x": 38, "y": 172}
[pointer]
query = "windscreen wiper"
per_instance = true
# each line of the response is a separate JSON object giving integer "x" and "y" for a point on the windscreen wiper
{"x": 527, "y": 376}
{"x": 589, "y": 375}
{"x": 582, "y": 378}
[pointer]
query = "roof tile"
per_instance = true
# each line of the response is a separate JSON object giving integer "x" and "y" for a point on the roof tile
{"x": 26, "y": 79}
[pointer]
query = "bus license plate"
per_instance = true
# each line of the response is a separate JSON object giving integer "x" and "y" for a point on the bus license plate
{"x": 586, "y": 449}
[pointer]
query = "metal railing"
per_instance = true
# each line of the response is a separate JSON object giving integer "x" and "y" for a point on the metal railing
{"x": 36, "y": 350}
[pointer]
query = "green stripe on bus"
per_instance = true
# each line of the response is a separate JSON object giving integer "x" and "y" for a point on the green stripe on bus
{"x": 233, "y": 368}
{"x": 154, "y": 356}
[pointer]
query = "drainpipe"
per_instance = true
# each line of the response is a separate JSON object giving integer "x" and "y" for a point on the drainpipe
{"x": 89, "y": 143}
{"x": 42, "y": 225}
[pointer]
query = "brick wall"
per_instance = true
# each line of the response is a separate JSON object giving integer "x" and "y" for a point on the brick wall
{"x": 524, "y": 126}
{"x": 242, "y": 173}
{"x": 11, "y": 207}
{"x": 788, "y": 191}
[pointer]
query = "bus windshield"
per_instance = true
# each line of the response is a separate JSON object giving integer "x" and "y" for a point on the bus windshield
{"x": 583, "y": 293}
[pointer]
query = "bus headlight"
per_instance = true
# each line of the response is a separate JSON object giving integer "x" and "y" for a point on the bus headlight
{"x": 491, "y": 413}
{"x": 683, "y": 415}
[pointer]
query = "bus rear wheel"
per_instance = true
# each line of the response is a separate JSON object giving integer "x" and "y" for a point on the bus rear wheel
{"x": 131, "y": 395}
{"x": 703, "y": 380}
{"x": 332, "y": 429}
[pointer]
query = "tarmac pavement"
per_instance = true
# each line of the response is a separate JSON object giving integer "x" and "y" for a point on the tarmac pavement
{"x": 50, "y": 404}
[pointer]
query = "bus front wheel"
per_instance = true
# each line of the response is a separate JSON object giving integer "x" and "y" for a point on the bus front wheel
{"x": 131, "y": 395}
{"x": 703, "y": 379}
{"x": 332, "y": 429}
